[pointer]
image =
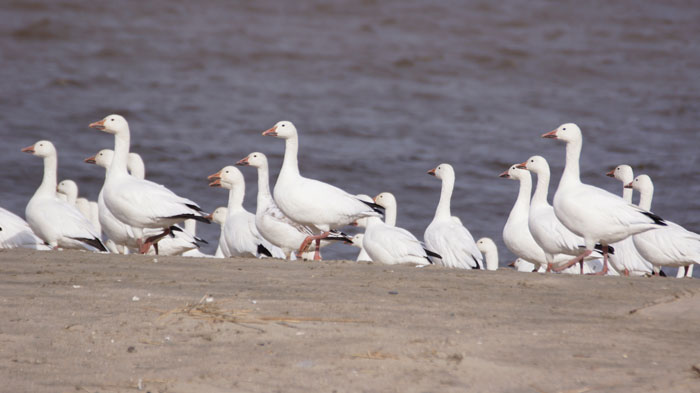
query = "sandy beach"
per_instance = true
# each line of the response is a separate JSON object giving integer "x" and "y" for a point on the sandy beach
{"x": 81, "y": 322}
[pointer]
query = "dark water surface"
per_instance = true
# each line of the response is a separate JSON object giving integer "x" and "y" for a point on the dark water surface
{"x": 381, "y": 92}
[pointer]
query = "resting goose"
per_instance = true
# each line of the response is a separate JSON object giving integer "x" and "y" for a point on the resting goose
{"x": 671, "y": 245}
{"x": 15, "y": 232}
{"x": 140, "y": 203}
{"x": 590, "y": 212}
{"x": 490, "y": 252}
{"x": 309, "y": 202}
{"x": 55, "y": 221}
{"x": 446, "y": 235}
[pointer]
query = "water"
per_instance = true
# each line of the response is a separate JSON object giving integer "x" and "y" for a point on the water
{"x": 381, "y": 91}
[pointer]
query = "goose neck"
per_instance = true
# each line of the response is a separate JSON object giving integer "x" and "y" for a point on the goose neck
{"x": 443, "y": 207}
{"x": 49, "y": 181}
{"x": 290, "y": 165}
{"x": 121, "y": 153}
{"x": 542, "y": 187}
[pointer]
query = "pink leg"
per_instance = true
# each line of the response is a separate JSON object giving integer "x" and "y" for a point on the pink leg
{"x": 573, "y": 261}
{"x": 549, "y": 268}
{"x": 307, "y": 242}
{"x": 317, "y": 253}
{"x": 627, "y": 272}
{"x": 605, "y": 263}
{"x": 143, "y": 247}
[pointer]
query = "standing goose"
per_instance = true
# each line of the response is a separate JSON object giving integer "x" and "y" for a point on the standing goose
{"x": 627, "y": 260}
{"x": 313, "y": 203}
{"x": 240, "y": 233}
{"x": 672, "y": 245}
{"x": 446, "y": 234}
{"x": 138, "y": 202}
{"x": 516, "y": 233}
{"x": 391, "y": 245}
{"x": 549, "y": 233}
{"x": 58, "y": 223}
{"x": 593, "y": 213}
{"x": 272, "y": 224}
{"x": 490, "y": 252}
{"x": 15, "y": 232}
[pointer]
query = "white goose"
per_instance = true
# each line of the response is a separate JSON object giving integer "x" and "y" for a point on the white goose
{"x": 446, "y": 235}
{"x": 240, "y": 233}
{"x": 627, "y": 260}
{"x": 490, "y": 252}
{"x": 138, "y": 202}
{"x": 593, "y": 213}
{"x": 15, "y": 232}
{"x": 549, "y": 233}
{"x": 672, "y": 245}
{"x": 69, "y": 190}
{"x": 316, "y": 204}
{"x": 55, "y": 221}
{"x": 218, "y": 216}
{"x": 391, "y": 245}
{"x": 272, "y": 224}
{"x": 516, "y": 233}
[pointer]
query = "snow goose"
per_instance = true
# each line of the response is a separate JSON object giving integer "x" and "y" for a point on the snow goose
{"x": 672, "y": 245}
{"x": 549, "y": 233}
{"x": 15, "y": 232}
{"x": 272, "y": 224}
{"x": 593, "y": 213}
{"x": 69, "y": 189}
{"x": 58, "y": 223}
{"x": 191, "y": 229}
{"x": 138, "y": 202}
{"x": 516, "y": 233}
{"x": 240, "y": 233}
{"x": 627, "y": 259}
{"x": 391, "y": 245}
{"x": 316, "y": 204}
{"x": 446, "y": 235}
{"x": 490, "y": 252}
{"x": 218, "y": 216}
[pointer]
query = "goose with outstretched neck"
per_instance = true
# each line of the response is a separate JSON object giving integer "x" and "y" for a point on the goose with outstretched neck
{"x": 591, "y": 212}
{"x": 270, "y": 221}
{"x": 140, "y": 203}
{"x": 310, "y": 202}
{"x": 55, "y": 221}
{"x": 240, "y": 233}
{"x": 446, "y": 235}
{"x": 627, "y": 260}
{"x": 672, "y": 245}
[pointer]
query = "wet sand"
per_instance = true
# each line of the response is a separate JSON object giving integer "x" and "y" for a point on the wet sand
{"x": 81, "y": 322}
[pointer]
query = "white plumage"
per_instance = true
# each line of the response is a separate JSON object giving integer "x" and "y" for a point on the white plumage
{"x": 15, "y": 232}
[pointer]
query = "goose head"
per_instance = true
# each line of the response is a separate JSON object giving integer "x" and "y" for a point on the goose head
{"x": 219, "y": 215}
{"x": 641, "y": 183}
{"x": 283, "y": 129}
{"x": 112, "y": 124}
{"x": 386, "y": 200}
{"x": 622, "y": 173}
{"x": 68, "y": 188}
{"x": 486, "y": 245}
{"x": 536, "y": 164}
{"x": 103, "y": 158}
{"x": 443, "y": 171}
{"x": 255, "y": 159}
{"x": 514, "y": 173}
{"x": 568, "y": 132}
{"x": 41, "y": 149}
{"x": 228, "y": 177}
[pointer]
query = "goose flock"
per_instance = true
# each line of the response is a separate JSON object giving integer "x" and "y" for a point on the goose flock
{"x": 585, "y": 230}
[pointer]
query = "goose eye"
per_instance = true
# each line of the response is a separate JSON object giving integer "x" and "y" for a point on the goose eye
{"x": 283, "y": 125}
{"x": 111, "y": 119}
{"x": 532, "y": 160}
{"x": 563, "y": 129}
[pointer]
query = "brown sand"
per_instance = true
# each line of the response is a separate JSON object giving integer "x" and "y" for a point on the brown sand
{"x": 80, "y": 322}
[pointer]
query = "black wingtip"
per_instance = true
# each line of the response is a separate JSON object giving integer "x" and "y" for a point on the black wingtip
{"x": 376, "y": 207}
{"x": 599, "y": 247}
{"x": 264, "y": 251}
{"x": 192, "y": 216}
{"x": 194, "y": 207}
{"x": 657, "y": 220}
{"x": 339, "y": 236}
{"x": 477, "y": 263}
{"x": 432, "y": 253}
{"x": 94, "y": 242}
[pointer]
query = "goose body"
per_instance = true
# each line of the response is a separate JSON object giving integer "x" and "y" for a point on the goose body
{"x": 446, "y": 235}
{"x": 55, "y": 221}
{"x": 490, "y": 252}
{"x": 16, "y": 233}
{"x": 590, "y": 212}
{"x": 672, "y": 245}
